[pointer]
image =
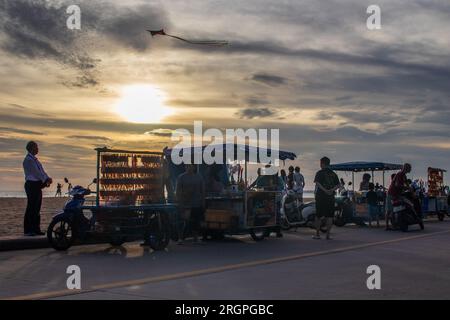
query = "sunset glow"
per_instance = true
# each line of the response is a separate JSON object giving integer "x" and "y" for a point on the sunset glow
{"x": 142, "y": 104}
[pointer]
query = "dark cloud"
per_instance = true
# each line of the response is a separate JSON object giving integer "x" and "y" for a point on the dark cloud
{"x": 92, "y": 138}
{"x": 160, "y": 132}
{"x": 252, "y": 113}
{"x": 84, "y": 81}
{"x": 203, "y": 103}
{"x": 256, "y": 101}
{"x": 21, "y": 131}
{"x": 269, "y": 79}
{"x": 324, "y": 115}
{"x": 36, "y": 29}
{"x": 366, "y": 116}
{"x": 26, "y": 120}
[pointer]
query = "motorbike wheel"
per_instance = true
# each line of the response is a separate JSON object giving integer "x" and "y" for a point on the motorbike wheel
{"x": 159, "y": 233}
{"x": 284, "y": 224}
{"x": 339, "y": 221}
{"x": 60, "y": 234}
{"x": 258, "y": 234}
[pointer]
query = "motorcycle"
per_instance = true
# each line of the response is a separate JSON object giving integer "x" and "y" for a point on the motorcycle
{"x": 344, "y": 212}
{"x": 295, "y": 214}
{"x": 406, "y": 213}
{"x": 110, "y": 224}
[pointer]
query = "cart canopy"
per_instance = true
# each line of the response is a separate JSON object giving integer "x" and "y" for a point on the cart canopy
{"x": 360, "y": 166}
{"x": 436, "y": 169}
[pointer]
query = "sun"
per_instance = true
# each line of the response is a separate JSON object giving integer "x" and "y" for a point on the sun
{"x": 142, "y": 104}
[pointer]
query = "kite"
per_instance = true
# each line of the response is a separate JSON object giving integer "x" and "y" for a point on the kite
{"x": 201, "y": 42}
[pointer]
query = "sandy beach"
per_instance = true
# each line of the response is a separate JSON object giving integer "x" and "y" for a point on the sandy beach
{"x": 12, "y": 212}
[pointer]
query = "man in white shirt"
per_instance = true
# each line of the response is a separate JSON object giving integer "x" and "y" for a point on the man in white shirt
{"x": 299, "y": 184}
{"x": 35, "y": 180}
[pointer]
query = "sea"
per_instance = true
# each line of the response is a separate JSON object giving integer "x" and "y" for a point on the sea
{"x": 21, "y": 194}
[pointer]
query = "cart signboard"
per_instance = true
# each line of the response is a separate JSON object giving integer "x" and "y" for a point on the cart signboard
{"x": 262, "y": 208}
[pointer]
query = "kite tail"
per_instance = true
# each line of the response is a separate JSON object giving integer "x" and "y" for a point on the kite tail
{"x": 205, "y": 42}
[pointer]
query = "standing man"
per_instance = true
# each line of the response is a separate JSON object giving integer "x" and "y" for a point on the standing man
{"x": 327, "y": 182}
{"x": 299, "y": 184}
{"x": 190, "y": 196}
{"x": 35, "y": 180}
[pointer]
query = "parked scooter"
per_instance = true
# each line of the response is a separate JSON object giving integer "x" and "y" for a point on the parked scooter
{"x": 105, "y": 225}
{"x": 295, "y": 214}
{"x": 404, "y": 214}
{"x": 344, "y": 212}
{"x": 70, "y": 223}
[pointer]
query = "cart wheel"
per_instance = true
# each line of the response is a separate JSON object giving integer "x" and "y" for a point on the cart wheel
{"x": 339, "y": 221}
{"x": 117, "y": 241}
{"x": 217, "y": 235}
{"x": 159, "y": 233}
{"x": 60, "y": 234}
{"x": 258, "y": 234}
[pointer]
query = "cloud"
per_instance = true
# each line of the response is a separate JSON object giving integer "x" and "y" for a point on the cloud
{"x": 86, "y": 137}
{"x": 84, "y": 81}
{"x": 21, "y": 131}
{"x": 269, "y": 79}
{"x": 253, "y": 113}
{"x": 256, "y": 101}
{"x": 36, "y": 29}
{"x": 199, "y": 103}
{"x": 160, "y": 132}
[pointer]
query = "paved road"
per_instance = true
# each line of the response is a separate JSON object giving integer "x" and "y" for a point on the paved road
{"x": 414, "y": 265}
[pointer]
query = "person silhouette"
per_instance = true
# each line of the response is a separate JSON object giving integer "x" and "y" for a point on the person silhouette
{"x": 35, "y": 180}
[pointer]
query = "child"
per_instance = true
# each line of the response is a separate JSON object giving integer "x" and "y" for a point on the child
{"x": 372, "y": 204}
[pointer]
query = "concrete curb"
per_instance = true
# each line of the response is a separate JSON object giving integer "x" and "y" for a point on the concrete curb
{"x": 23, "y": 243}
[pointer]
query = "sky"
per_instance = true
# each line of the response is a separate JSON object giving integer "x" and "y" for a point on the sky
{"x": 309, "y": 68}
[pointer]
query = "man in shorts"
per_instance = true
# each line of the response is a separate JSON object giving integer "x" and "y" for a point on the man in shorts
{"x": 327, "y": 182}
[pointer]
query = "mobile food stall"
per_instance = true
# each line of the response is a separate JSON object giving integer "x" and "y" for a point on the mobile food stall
{"x": 129, "y": 203}
{"x": 234, "y": 209}
{"x": 436, "y": 199}
{"x": 357, "y": 198}
{"x": 134, "y": 190}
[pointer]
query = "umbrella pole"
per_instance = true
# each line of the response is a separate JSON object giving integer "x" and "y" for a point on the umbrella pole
{"x": 353, "y": 181}
{"x": 245, "y": 169}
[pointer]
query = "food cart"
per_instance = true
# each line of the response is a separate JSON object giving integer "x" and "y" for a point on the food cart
{"x": 358, "y": 197}
{"x": 235, "y": 209}
{"x": 436, "y": 200}
{"x": 129, "y": 203}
